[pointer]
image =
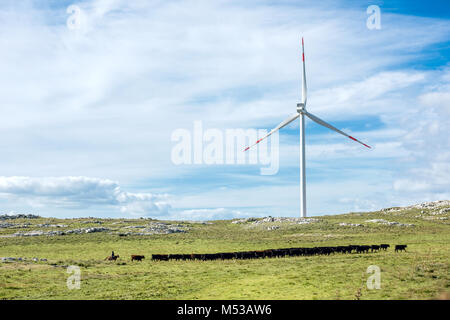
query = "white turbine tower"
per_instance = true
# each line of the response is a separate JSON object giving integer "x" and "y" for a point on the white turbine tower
{"x": 301, "y": 113}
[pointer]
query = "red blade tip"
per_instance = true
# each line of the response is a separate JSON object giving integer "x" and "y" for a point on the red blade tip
{"x": 360, "y": 142}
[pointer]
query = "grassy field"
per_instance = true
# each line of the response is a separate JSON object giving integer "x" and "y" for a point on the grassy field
{"x": 420, "y": 273}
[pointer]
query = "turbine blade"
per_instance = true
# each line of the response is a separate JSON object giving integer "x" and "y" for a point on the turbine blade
{"x": 329, "y": 126}
{"x": 304, "y": 88}
{"x": 281, "y": 125}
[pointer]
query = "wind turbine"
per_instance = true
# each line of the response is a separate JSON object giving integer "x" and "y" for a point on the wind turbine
{"x": 301, "y": 113}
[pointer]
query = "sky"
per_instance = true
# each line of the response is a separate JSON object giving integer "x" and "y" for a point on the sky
{"x": 91, "y": 93}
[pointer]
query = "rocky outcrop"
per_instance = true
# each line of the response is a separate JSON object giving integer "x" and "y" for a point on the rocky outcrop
{"x": 46, "y": 225}
{"x": 155, "y": 228}
{"x": 433, "y": 205}
{"x": 18, "y": 216}
{"x": 390, "y": 223}
{"x": 243, "y": 220}
{"x": 276, "y": 220}
{"x": 280, "y": 220}
{"x": 58, "y": 233}
{"x": 93, "y": 221}
{"x": 346, "y": 224}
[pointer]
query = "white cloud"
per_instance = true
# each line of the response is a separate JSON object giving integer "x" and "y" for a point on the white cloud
{"x": 369, "y": 96}
{"x": 82, "y": 192}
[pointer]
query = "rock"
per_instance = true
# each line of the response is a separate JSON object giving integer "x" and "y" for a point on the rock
{"x": 442, "y": 211}
{"x": 14, "y": 225}
{"x": 277, "y": 221}
{"x": 377, "y": 221}
{"x": 54, "y": 233}
{"x": 46, "y": 225}
{"x": 28, "y": 234}
{"x": 155, "y": 228}
{"x": 307, "y": 220}
{"x": 424, "y": 205}
{"x": 18, "y": 216}
{"x": 8, "y": 259}
{"x": 95, "y": 229}
{"x": 432, "y": 204}
{"x": 93, "y": 221}
{"x": 59, "y": 233}
{"x": 390, "y": 223}
{"x": 285, "y": 220}
{"x": 244, "y": 220}
{"x": 6, "y": 225}
{"x": 345, "y": 224}
{"x": 393, "y": 209}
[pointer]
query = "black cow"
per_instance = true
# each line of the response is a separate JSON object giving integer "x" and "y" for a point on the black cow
{"x": 280, "y": 252}
{"x": 137, "y": 257}
{"x": 226, "y": 256}
{"x": 248, "y": 255}
{"x": 348, "y": 249}
{"x": 294, "y": 252}
{"x": 324, "y": 250}
{"x": 341, "y": 249}
{"x": 375, "y": 248}
{"x": 162, "y": 257}
{"x": 259, "y": 254}
{"x": 362, "y": 249}
{"x": 238, "y": 255}
{"x": 269, "y": 253}
{"x": 400, "y": 247}
{"x": 210, "y": 256}
{"x": 384, "y": 246}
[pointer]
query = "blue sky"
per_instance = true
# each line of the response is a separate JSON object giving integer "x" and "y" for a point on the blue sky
{"x": 88, "y": 113}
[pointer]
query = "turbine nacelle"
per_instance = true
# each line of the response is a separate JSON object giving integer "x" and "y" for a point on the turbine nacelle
{"x": 301, "y": 107}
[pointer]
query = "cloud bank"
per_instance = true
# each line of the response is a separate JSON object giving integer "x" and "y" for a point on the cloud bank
{"x": 82, "y": 193}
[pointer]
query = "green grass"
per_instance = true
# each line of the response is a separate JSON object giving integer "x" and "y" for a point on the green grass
{"x": 420, "y": 273}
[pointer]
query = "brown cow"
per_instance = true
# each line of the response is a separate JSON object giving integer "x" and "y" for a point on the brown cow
{"x": 137, "y": 258}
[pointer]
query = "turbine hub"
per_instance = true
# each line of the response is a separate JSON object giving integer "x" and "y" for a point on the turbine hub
{"x": 301, "y": 108}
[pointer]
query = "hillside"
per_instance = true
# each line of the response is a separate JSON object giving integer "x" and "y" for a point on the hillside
{"x": 35, "y": 253}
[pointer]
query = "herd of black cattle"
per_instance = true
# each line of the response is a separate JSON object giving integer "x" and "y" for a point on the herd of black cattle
{"x": 273, "y": 253}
